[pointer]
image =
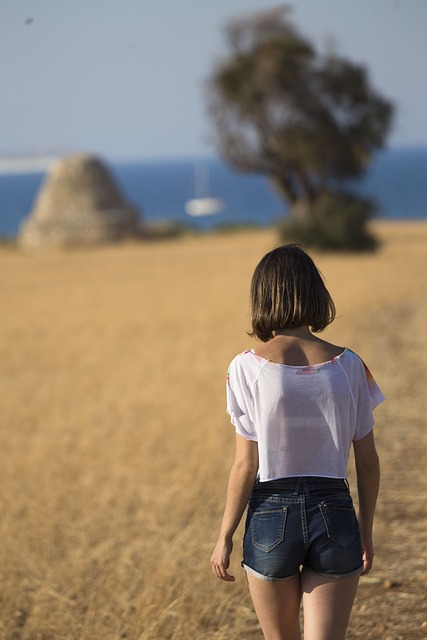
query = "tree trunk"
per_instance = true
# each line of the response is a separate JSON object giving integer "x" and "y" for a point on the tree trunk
{"x": 302, "y": 209}
{"x": 284, "y": 189}
{"x": 300, "y": 200}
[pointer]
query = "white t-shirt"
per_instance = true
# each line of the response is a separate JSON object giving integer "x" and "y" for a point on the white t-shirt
{"x": 304, "y": 418}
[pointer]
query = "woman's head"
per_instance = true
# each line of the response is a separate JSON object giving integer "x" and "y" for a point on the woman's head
{"x": 287, "y": 292}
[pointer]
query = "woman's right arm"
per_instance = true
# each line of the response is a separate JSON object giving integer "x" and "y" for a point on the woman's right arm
{"x": 368, "y": 480}
{"x": 240, "y": 485}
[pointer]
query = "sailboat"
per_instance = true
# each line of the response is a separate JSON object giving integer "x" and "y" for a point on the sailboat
{"x": 202, "y": 204}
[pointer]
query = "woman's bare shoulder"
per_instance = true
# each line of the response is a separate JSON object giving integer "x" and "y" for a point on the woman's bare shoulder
{"x": 298, "y": 352}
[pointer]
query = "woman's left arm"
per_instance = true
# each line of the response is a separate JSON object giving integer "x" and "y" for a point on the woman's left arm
{"x": 240, "y": 485}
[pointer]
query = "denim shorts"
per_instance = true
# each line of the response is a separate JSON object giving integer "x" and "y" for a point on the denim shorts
{"x": 301, "y": 522}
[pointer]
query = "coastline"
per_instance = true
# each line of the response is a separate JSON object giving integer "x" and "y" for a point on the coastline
{"x": 160, "y": 190}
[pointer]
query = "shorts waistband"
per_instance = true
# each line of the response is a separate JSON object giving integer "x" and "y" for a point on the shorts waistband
{"x": 301, "y": 486}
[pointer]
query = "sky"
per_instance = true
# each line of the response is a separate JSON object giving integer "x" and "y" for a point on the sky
{"x": 126, "y": 79}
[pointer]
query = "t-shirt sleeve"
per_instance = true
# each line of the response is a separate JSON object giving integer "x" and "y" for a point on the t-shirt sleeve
{"x": 239, "y": 402}
{"x": 369, "y": 396}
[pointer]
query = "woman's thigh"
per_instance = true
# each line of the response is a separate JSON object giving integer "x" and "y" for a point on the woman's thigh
{"x": 327, "y": 605}
{"x": 277, "y": 605}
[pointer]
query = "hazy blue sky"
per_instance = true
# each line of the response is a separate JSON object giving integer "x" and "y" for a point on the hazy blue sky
{"x": 125, "y": 78}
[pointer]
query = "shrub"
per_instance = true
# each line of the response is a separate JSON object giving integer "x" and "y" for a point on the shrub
{"x": 337, "y": 222}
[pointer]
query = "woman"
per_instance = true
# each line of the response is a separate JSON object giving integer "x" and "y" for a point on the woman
{"x": 298, "y": 403}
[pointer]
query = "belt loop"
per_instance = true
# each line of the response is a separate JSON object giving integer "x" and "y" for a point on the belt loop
{"x": 347, "y": 484}
{"x": 306, "y": 488}
{"x": 298, "y": 486}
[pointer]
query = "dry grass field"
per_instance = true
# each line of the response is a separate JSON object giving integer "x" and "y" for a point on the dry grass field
{"x": 115, "y": 446}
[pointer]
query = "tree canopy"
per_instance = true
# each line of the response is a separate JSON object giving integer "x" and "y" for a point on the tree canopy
{"x": 308, "y": 121}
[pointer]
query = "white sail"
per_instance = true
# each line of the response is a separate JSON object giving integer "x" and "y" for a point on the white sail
{"x": 202, "y": 204}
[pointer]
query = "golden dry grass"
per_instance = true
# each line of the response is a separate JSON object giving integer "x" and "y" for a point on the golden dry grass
{"x": 115, "y": 447}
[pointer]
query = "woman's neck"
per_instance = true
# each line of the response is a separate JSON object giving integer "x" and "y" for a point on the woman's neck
{"x": 298, "y": 332}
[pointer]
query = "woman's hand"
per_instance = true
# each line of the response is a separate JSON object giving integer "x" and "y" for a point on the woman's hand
{"x": 368, "y": 553}
{"x": 220, "y": 559}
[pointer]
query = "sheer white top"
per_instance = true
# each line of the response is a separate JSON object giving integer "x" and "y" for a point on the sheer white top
{"x": 304, "y": 418}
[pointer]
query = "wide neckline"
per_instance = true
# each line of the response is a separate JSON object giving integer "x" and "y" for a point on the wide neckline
{"x": 300, "y": 366}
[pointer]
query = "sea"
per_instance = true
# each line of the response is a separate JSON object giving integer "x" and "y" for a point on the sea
{"x": 396, "y": 179}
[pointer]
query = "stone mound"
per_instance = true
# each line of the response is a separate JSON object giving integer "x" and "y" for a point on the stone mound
{"x": 79, "y": 203}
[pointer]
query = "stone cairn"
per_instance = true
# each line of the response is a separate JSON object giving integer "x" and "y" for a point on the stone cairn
{"x": 78, "y": 204}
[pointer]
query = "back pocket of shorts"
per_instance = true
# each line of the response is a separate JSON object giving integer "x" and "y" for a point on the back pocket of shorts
{"x": 341, "y": 523}
{"x": 268, "y": 528}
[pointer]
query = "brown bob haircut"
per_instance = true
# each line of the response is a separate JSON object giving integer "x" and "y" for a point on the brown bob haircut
{"x": 287, "y": 291}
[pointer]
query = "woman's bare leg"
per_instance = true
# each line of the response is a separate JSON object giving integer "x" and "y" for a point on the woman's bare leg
{"x": 277, "y": 606}
{"x": 327, "y": 605}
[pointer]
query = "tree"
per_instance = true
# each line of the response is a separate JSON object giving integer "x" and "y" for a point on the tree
{"x": 310, "y": 122}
